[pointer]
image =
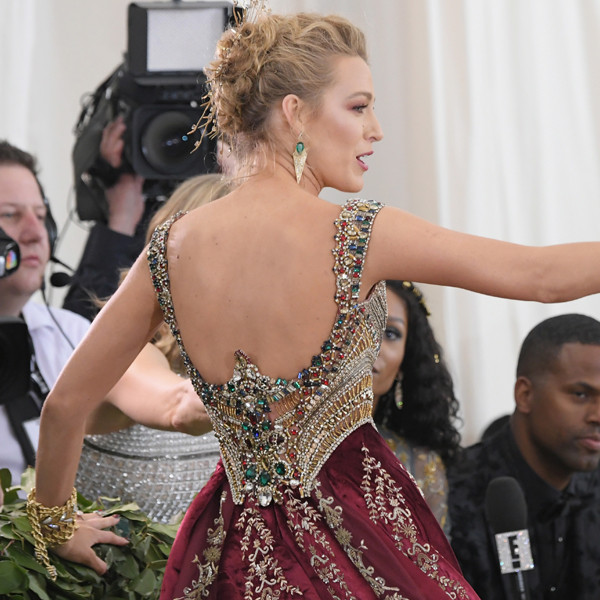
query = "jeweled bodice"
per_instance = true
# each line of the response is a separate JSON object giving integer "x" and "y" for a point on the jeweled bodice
{"x": 275, "y": 433}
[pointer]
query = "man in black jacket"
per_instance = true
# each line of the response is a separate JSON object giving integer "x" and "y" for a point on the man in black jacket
{"x": 551, "y": 446}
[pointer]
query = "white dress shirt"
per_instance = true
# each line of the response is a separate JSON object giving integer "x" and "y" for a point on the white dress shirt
{"x": 52, "y": 348}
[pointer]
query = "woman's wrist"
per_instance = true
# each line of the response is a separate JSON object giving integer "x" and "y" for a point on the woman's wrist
{"x": 51, "y": 526}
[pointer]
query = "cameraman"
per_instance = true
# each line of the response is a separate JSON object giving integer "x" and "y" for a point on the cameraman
{"x": 113, "y": 245}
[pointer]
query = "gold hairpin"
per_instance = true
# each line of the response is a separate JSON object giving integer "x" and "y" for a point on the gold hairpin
{"x": 244, "y": 11}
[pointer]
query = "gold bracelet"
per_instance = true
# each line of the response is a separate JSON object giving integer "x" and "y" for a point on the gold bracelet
{"x": 51, "y": 526}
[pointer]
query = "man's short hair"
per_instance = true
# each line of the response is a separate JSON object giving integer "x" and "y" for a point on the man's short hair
{"x": 11, "y": 155}
{"x": 545, "y": 341}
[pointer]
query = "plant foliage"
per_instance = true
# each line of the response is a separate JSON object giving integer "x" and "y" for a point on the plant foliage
{"x": 135, "y": 571}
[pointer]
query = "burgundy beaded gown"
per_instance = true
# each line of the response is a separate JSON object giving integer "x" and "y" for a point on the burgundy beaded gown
{"x": 308, "y": 500}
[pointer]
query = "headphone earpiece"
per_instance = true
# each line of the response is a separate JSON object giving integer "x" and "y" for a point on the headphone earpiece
{"x": 51, "y": 227}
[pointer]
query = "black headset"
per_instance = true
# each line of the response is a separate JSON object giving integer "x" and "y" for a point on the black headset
{"x": 50, "y": 224}
{"x": 49, "y": 221}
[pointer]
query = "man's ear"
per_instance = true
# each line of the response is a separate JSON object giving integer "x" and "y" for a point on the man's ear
{"x": 523, "y": 394}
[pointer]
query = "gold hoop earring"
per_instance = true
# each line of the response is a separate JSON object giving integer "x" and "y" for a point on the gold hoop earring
{"x": 299, "y": 155}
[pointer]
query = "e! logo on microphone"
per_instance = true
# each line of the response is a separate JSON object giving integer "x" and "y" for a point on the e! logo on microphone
{"x": 514, "y": 551}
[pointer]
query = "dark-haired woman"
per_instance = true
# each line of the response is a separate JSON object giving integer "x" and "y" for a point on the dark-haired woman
{"x": 413, "y": 396}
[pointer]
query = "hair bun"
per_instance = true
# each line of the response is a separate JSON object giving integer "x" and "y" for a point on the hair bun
{"x": 260, "y": 62}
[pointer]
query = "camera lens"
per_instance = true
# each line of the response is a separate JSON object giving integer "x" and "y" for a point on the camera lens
{"x": 166, "y": 143}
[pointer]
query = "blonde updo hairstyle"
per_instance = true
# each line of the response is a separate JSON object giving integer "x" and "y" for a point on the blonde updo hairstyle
{"x": 261, "y": 62}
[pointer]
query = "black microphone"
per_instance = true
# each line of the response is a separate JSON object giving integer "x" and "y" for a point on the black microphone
{"x": 60, "y": 279}
{"x": 506, "y": 512}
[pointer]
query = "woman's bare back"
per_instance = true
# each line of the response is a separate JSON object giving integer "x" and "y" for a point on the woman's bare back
{"x": 254, "y": 274}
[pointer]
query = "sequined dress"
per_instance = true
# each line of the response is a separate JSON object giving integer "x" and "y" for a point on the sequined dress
{"x": 310, "y": 503}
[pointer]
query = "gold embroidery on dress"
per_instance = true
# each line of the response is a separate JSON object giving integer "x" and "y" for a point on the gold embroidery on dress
{"x": 208, "y": 571}
{"x": 303, "y": 520}
{"x": 386, "y": 504}
{"x": 334, "y": 518}
{"x": 265, "y": 579}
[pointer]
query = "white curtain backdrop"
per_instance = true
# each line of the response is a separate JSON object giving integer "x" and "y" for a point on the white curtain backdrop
{"x": 491, "y": 112}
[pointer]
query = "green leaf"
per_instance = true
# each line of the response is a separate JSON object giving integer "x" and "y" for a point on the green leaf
{"x": 37, "y": 584}
{"x": 145, "y": 584}
{"x": 165, "y": 529}
{"x": 22, "y": 524}
{"x": 5, "y": 479}
{"x": 7, "y": 533}
{"x": 127, "y": 566}
{"x": 12, "y": 578}
{"x": 28, "y": 480}
{"x": 24, "y": 559}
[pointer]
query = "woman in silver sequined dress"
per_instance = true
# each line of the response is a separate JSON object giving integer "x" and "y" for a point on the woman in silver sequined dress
{"x": 277, "y": 300}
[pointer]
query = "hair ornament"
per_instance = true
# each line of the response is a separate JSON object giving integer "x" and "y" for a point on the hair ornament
{"x": 244, "y": 11}
{"x": 418, "y": 294}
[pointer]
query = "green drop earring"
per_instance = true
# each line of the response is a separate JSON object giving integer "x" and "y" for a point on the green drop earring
{"x": 299, "y": 155}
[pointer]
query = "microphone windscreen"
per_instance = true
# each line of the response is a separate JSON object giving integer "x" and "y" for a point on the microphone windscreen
{"x": 60, "y": 279}
{"x": 505, "y": 505}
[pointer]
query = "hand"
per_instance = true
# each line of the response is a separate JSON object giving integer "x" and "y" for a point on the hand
{"x": 90, "y": 531}
{"x": 125, "y": 203}
{"x": 189, "y": 415}
{"x": 112, "y": 143}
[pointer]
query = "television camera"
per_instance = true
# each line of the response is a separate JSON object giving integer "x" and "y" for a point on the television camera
{"x": 159, "y": 90}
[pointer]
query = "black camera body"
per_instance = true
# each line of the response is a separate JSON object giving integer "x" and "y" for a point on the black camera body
{"x": 160, "y": 117}
{"x": 159, "y": 90}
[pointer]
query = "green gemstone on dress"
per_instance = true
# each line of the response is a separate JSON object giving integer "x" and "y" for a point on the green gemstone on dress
{"x": 280, "y": 469}
{"x": 266, "y": 426}
{"x": 250, "y": 472}
{"x": 264, "y": 478}
{"x": 231, "y": 387}
{"x": 299, "y": 148}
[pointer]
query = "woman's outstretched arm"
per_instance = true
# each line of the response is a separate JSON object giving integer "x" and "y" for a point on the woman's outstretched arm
{"x": 404, "y": 246}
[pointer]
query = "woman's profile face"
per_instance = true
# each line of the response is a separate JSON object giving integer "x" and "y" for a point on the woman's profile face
{"x": 391, "y": 354}
{"x": 340, "y": 137}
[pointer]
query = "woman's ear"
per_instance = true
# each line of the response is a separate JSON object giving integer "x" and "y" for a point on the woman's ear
{"x": 292, "y": 108}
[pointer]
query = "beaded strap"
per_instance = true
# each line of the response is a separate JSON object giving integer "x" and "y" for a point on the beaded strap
{"x": 51, "y": 526}
{"x": 354, "y": 232}
{"x": 159, "y": 268}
